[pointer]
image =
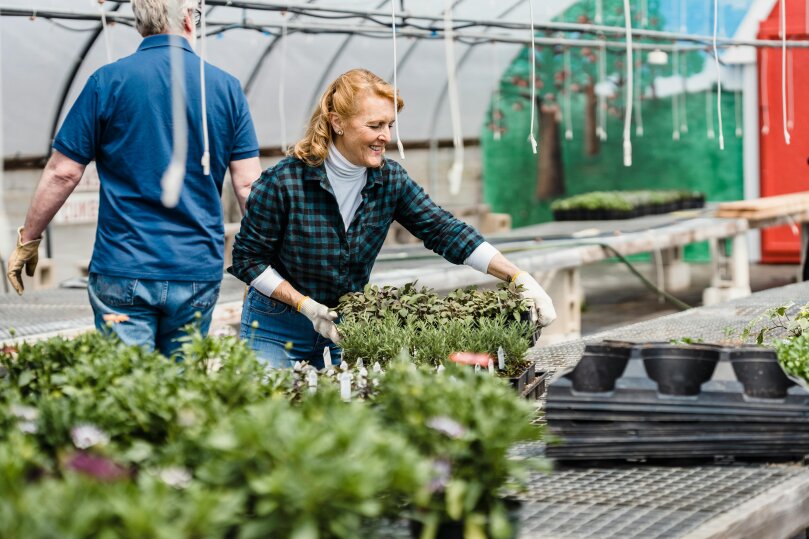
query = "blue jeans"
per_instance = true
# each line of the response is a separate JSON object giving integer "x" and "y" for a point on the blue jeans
{"x": 157, "y": 310}
{"x": 283, "y": 335}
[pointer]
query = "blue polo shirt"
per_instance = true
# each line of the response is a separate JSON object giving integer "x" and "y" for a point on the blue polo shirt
{"x": 122, "y": 119}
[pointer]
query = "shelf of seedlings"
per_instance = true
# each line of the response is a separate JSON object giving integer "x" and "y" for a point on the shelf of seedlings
{"x": 610, "y": 205}
{"x": 490, "y": 330}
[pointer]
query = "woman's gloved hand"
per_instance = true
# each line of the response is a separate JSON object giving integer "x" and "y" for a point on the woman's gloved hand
{"x": 321, "y": 317}
{"x": 532, "y": 290}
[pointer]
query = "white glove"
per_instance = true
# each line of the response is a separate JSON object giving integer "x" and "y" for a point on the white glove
{"x": 321, "y": 317}
{"x": 532, "y": 290}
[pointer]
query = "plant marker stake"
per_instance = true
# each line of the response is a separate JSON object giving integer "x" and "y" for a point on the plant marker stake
{"x": 533, "y": 54}
{"x": 783, "y": 32}
{"x": 719, "y": 78}
{"x": 343, "y": 366}
{"x": 456, "y": 171}
{"x": 172, "y": 181}
{"x": 501, "y": 358}
{"x": 630, "y": 84}
{"x": 477, "y": 368}
{"x": 395, "y": 83}
{"x": 440, "y": 369}
{"x": 345, "y": 386}
{"x": 311, "y": 380}
{"x": 326, "y": 357}
{"x": 360, "y": 364}
{"x": 377, "y": 368}
{"x": 491, "y": 366}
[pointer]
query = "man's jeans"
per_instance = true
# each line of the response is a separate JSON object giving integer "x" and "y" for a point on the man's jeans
{"x": 283, "y": 335}
{"x": 157, "y": 311}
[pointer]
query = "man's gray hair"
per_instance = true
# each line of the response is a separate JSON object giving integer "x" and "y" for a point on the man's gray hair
{"x": 161, "y": 16}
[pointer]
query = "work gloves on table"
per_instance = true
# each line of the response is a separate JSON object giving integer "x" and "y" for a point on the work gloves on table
{"x": 532, "y": 290}
{"x": 24, "y": 255}
{"x": 321, "y": 317}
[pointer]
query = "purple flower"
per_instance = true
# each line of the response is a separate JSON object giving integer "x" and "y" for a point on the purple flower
{"x": 446, "y": 425}
{"x": 96, "y": 466}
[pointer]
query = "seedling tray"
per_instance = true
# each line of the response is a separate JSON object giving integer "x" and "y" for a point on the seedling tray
{"x": 635, "y": 421}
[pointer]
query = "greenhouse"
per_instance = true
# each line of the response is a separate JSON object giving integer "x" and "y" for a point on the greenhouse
{"x": 404, "y": 268}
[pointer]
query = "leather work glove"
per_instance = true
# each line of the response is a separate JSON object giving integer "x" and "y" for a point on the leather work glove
{"x": 532, "y": 290}
{"x": 321, "y": 317}
{"x": 24, "y": 254}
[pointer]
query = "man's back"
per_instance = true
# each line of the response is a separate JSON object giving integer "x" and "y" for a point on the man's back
{"x": 122, "y": 119}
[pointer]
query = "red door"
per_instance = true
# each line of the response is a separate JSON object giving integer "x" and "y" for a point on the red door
{"x": 784, "y": 168}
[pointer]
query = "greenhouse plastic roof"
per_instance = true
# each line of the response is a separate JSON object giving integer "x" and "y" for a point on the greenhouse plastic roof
{"x": 39, "y": 55}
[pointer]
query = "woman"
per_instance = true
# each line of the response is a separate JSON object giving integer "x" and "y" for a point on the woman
{"x": 316, "y": 221}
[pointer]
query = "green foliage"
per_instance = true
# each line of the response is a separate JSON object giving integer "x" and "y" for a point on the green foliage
{"x": 793, "y": 354}
{"x": 464, "y": 425}
{"x": 622, "y": 200}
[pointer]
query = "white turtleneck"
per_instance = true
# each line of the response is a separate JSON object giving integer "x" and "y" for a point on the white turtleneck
{"x": 347, "y": 181}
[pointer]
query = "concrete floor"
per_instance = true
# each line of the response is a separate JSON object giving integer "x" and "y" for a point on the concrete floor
{"x": 614, "y": 297}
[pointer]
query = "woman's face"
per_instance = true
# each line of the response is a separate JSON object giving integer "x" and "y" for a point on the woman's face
{"x": 365, "y": 134}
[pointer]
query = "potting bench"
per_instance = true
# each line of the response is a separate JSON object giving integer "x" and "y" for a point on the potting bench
{"x": 710, "y": 500}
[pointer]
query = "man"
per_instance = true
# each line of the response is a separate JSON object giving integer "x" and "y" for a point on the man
{"x": 155, "y": 265}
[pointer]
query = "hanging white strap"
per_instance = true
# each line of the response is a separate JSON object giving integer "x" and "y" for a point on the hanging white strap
{"x": 496, "y": 97}
{"x": 105, "y": 30}
{"x": 783, "y": 31}
{"x": 684, "y": 97}
{"x": 5, "y": 230}
{"x": 456, "y": 171}
{"x": 629, "y": 87}
{"x": 675, "y": 98}
{"x": 737, "y": 102}
{"x": 683, "y": 17}
{"x": 718, "y": 76}
{"x": 602, "y": 98}
{"x": 395, "y": 83}
{"x": 599, "y": 12}
{"x": 709, "y": 113}
{"x": 765, "y": 94}
{"x": 203, "y": 50}
{"x": 282, "y": 115}
{"x": 172, "y": 181}
{"x": 568, "y": 108}
{"x": 532, "y": 58}
{"x": 644, "y": 18}
{"x": 638, "y": 107}
{"x": 790, "y": 92}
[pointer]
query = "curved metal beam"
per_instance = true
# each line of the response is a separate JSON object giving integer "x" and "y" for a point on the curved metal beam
{"x": 66, "y": 87}
{"x": 336, "y": 56}
{"x": 251, "y": 80}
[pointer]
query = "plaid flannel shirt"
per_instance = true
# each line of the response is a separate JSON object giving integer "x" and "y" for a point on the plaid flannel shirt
{"x": 293, "y": 223}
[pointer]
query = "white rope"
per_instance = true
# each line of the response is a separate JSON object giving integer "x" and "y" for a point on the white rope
{"x": 718, "y": 76}
{"x": 790, "y": 91}
{"x": 532, "y": 56}
{"x": 709, "y": 113}
{"x": 629, "y": 87}
{"x": 683, "y": 16}
{"x": 172, "y": 180}
{"x": 496, "y": 97}
{"x": 568, "y": 111}
{"x": 203, "y": 49}
{"x": 599, "y": 12}
{"x": 638, "y": 106}
{"x": 395, "y": 83}
{"x": 675, "y": 98}
{"x": 765, "y": 94}
{"x": 282, "y": 113}
{"x": 5, "y": 230}
{"x": 644, "y": 18}
{"x": 783, "y": 31}
{"x": 737, "y": 102}
{"x": 456, "y": 171}
{"x": 105, "y": 29}
{"x": 684, "y": 97}
{"x": 601, "y": 130}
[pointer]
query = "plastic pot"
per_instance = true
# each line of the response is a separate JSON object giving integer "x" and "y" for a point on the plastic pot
{"x": 759, "y": 372}
{"x": 599, "y": 367}
{"x": 679, "y": 370}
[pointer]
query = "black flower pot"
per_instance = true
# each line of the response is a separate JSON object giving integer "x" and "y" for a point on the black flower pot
{"x": 599, "y": 367}
{"x": 679, "y": 370}
{"x": 758, "y": 370}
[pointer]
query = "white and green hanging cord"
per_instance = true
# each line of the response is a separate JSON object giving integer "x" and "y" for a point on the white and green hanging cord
{"x": 282, "y": 76}
{"x": 105, "y": 30}
{"x": 399, "y": 144}
{"x": 629, "y": 87}
{"x": 638, "y": 105}
{"x": 172, "y": 181}
{"x": 718, "y": 77}
{"x": 568, "y": 108}
{"x": 782, "y": 30}
{"x": 765, "y": 94}
{"x": 456, "y": 171}
{"x": 601, "y": 130}
{"x": 203, "y": 50}
{"x": 532, "y": 56}
{"x": 675, "y": 98}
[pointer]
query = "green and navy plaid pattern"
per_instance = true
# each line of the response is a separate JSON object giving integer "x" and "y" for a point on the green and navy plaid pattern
{"x": 293, "y": 223}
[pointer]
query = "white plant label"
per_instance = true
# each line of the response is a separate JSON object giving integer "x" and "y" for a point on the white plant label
{"x": 501, "y": 358}
{"x": 345, "y": 386}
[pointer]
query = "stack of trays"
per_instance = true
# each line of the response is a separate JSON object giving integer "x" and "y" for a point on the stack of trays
{"x": 654, "y": 401}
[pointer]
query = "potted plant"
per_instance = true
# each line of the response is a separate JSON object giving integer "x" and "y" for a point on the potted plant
{"x": 758, "y": 370}
{"x": 464, "y": 423}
